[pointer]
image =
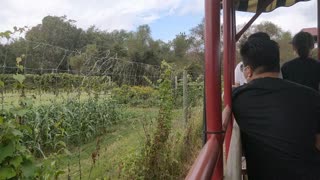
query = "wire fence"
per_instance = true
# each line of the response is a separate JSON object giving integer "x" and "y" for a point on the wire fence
{"x": 68, "y": 106}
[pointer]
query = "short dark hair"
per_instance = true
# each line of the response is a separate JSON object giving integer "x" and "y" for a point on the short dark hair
{"x": 262, "y": 55}
{"x": 259, "y": 35}
{"x": 303, "y": 43}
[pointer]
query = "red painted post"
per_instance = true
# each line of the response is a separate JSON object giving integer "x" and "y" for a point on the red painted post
{"x": 234, "y": 33}
{"x": 228, "y": 28}
{"x": 213, "y": 74}
{"x": 203, "y": 166}
{"x": 318, "y": 29}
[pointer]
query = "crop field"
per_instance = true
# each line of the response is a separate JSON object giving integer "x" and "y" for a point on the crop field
{"x": 112, "y": 132}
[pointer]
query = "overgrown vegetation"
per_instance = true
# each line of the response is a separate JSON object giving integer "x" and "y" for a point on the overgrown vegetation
{"x": 59, "y": 82}
{"x": 16, "y": 160}
{"x": 144, "y": 96}
{"x": 49, "y": 131}
{"x": 166, "y": 146}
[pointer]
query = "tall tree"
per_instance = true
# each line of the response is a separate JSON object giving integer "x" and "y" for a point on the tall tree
{"x": 56, "y": 31}
{"x": 276, "y": 33}
{"x": 181, "y": 45}
{"x": 197, "y": 34}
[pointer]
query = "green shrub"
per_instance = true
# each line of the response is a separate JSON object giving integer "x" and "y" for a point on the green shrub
{"x": 15, "y": 159}
{"x": 143, "y": 96}
{"x": 168, "y": 147}
{"x": 59, "y": 82}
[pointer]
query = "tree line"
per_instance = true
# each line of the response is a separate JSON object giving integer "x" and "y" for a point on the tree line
{"x": 57, "y": 43}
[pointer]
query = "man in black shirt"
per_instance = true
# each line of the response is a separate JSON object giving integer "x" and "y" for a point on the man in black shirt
{"x": 303, "y": 70}
{"x": 279, "y": 120}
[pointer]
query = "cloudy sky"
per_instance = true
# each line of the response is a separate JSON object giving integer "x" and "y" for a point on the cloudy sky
{"x": 165, "y": 17}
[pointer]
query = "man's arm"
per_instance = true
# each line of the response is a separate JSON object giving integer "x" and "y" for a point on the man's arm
{"x": 226, "y": 116}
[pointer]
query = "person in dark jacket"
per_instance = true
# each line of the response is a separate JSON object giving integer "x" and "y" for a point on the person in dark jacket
{"x": 303, "y": 69}
{"x": 278, "y": 119}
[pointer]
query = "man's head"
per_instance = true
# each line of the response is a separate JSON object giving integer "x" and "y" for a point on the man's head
{"x": 259, "y": 35}
{"x": 303, "y": 43}
{"x": 260, "y": 56}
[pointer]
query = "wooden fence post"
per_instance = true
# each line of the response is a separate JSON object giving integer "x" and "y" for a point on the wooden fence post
{"x": 185, "y": 97}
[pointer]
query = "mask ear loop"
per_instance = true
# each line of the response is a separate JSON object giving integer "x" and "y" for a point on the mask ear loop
{"x": 241, "y": 67}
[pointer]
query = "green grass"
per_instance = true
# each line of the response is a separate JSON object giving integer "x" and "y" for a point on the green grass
{"x": 123, "y": 139}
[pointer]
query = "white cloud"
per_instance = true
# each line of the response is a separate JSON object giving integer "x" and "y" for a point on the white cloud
{"x": 107, "y": 14}
{"x": 293, "y": 19}
{"x": 191, "y": 6}
{"x": 128, "y": 14}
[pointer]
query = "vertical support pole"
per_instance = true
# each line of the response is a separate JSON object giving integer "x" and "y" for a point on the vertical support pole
{"x": 228, "y": 40}
{"x": 213, "y": 75}
{"x": 318, "y": 37}
{"x": 176, "y": 83}
{"x": 2, "y": 92}
{"x": 233, "y": 43}
{"x": 185, "y": 97}
{"x": 109, "y": 81}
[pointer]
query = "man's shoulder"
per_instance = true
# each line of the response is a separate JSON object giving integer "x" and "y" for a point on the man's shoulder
{"x": 287, "y": 85}
{"x": 299, "y": 61}
{"x": 291, "y": 62}
{"x": 315, "y": 62}
{"x": 238, "y": 90}
{"x": 273, "y": 85}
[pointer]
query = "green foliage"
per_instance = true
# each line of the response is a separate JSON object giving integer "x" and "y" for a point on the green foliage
{"x": 165, "y": 151}
{"x": 57, "y": 82}
{"x": 194, "y": 70}
{"x": 136, "y": 95}
{"x": 6, "y": 34}
{"x": 83, "y": 61}
{"x": 181, "y": 44}
{"x": 194, "y": 91}
{"x": 177, "y": 156}
{"x": 58, "y": 45}
{"x": 314, "y": 53}
{"x": 152, "y": 161}
{"x": 77, "y": 63}
{"x": 286, "y": 49}
{"x": 15, "y": 159}
{"x": 277, "y": 34}
{"x": 157, "y": 149}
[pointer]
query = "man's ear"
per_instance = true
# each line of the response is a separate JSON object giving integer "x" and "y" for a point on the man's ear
{"x": 250, "y": 72}
{"x": 294, "y": 51}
